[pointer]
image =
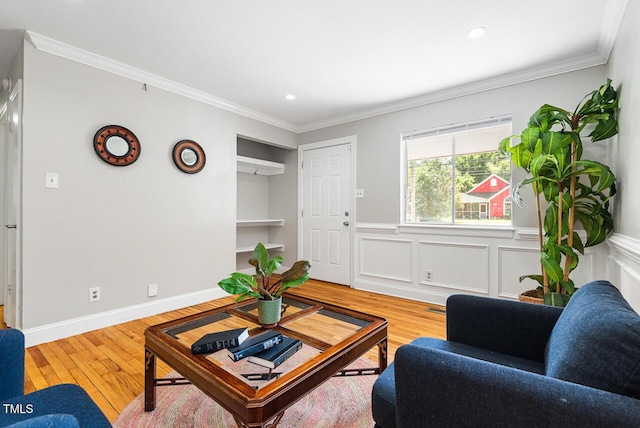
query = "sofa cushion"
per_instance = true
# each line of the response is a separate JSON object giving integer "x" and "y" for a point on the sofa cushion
{"x": 383, "y": 399}
{"x": 596, "y": 341}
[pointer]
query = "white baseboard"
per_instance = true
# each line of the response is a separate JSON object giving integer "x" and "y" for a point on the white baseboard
{"x": 60, "y": 330}
{"x": 403, "y": 292}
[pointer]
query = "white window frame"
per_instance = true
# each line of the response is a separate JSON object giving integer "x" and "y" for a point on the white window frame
{"x": 406, "y": 136}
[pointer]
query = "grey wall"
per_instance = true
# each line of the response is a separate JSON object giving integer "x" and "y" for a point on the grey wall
{"x": 379, "y": 153}
{"x": 122, "y": 228}
{"x": 624, "y": 69}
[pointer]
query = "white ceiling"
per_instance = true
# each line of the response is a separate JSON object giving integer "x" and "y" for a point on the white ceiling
{"x": 343, "y": 59}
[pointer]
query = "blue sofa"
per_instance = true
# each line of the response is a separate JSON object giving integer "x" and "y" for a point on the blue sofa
{"x": 512, "y": 364}
{"x": 60, "y": 406}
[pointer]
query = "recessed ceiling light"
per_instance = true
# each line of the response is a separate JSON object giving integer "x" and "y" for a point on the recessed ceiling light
{"x": 476, "y": 32}
{"x": 290, "y": 97}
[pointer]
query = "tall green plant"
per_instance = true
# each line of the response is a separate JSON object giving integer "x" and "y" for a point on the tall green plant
{"x": 576, "y": 190}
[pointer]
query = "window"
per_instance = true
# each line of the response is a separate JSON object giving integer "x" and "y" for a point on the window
{"x": 456, "y": 175}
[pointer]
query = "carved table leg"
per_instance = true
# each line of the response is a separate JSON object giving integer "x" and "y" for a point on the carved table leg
{"x": 382, "y": 355}
{"x": 149, "y": 381}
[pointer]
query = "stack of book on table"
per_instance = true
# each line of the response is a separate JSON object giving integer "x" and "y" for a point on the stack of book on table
{"x": 268, "y": 349}
{"x": 213, "y": 342}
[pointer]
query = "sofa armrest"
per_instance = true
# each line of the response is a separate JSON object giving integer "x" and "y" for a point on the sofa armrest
{"x": 513, "y": 328}
{"x": 11, "y": 363}
{"x": 436, "y": 388}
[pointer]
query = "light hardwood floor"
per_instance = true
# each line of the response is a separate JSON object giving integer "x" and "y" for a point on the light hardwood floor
{"x": 108, "y": 363}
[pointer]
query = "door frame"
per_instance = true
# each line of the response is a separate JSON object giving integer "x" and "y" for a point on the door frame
{"x": 352, "y": 141}
{"x": 13, "y": 107}
{"x": 4, "y": 114}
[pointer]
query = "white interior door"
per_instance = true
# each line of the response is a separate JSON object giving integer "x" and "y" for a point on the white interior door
{"x": 13, "y": 159}
{"x": 326, "y": 212}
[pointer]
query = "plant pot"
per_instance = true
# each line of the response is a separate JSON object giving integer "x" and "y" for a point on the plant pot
{"x": 269, "y": 312}
{"x": 532, "y": 296}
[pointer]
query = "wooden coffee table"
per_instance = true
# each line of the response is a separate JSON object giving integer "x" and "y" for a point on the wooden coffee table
{"x": 333, "y": 338}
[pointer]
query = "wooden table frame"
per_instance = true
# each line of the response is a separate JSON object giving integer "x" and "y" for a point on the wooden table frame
{"x": 263, "y": 407}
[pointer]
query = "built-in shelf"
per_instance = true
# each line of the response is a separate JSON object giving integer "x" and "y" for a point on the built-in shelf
{"x": 260, "y": 222}
{"x": 259, "y": 166}
{"x": 269, "y": 246}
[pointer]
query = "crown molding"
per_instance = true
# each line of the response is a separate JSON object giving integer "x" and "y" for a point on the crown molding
{"x": 527, "y": 75}
{"x": 82, "y": 56}
{"x": 610, "y": 25}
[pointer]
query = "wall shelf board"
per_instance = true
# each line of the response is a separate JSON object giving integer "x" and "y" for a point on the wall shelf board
{"x": 260, "y": 222}
{"x": 259, "y": 166}
{"x": 269, "y": 246}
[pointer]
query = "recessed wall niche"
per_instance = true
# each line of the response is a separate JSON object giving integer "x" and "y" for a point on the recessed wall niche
{"x": 265, "y": 201}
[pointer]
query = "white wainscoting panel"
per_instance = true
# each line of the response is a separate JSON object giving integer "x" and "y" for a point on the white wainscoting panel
{"x": 393, "y": 259}
{"x": 630, "y": 287}
{"x": 386, "y": 258}
{"x": 623, "y": 269}
{"x": 513, "y": 262}
{"x": 457, "y": 266}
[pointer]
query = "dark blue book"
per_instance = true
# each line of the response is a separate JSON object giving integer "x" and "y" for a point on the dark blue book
{"x": 213, "y": 342}
{"x": 278, "y": 354}
{"x": 255, "y": 344}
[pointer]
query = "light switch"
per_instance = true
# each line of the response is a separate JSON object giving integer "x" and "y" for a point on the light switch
{"x": 51, "y": 180}
{"x": 359, "y": 193}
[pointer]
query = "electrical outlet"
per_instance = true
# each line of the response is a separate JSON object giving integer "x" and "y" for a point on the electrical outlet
{"x": 152, "y": 290}
{"x": 94, "y": 294}
{"x": 428, "y": 275}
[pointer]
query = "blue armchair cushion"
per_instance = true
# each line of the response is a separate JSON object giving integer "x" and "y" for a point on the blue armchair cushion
{"x": 11, "y": 363}
{"x": 480, "y": 354}
{"x": 596, "y": 341}
{"x": 48, "y": 421}
{"x": 65, "y": 399}
{"x": 383, "y": 399}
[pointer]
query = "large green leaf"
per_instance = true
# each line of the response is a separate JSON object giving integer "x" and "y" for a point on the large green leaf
{"x": 538, "y": 278}
{"x": 273, "y": 265}
{"x": 261, "y": 259}
{"x": 293, "y": 283}
{"x": 551, "y": 265}
{"x": 556, "y": 299}
{"x": 238, "y": 283}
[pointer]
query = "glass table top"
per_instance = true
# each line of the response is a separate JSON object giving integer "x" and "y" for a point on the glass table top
{"x": 320, "y": 327}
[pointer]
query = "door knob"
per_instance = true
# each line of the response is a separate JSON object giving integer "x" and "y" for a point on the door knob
{"x": 346, "y": 223}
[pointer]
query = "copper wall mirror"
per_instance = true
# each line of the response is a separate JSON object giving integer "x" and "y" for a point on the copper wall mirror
{"x": 189, "y": 156}
{"x": 116, "y": 145}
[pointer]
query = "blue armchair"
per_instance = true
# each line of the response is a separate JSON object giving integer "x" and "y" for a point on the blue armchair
{"x": 60, "y": 406}
{"x": 512, "y": 364}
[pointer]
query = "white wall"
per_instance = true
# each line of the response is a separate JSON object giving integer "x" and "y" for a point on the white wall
{"x": 122, "y": 228}
{"x": 624, "y": 69}
{"x": 393, "y": 259}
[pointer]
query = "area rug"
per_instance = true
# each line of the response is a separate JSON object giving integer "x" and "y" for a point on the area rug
{"x": 341, "y": 402}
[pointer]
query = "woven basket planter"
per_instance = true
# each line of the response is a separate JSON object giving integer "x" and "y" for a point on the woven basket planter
{"x": 532, "y": 296}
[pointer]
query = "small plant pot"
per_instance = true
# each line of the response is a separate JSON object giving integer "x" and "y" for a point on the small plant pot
{"x": 269, "y": 312}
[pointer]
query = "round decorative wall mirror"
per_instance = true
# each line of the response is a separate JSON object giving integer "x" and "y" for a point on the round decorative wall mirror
{"x": 188, "y": 156}
{"x": 116, "y": 145}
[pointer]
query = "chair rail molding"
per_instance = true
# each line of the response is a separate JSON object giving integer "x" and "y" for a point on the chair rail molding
{"x": 625, "y": 245}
